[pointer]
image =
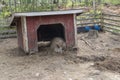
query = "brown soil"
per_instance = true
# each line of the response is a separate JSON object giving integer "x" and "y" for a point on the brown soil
{"x": 96, "y": 59}
{"x": 111, "y": 64}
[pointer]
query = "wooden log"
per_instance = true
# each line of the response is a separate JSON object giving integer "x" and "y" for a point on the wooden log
{"x": 8, "y": 32}
{"x": 8, "y": 36}
{"x": 114, "y": 15}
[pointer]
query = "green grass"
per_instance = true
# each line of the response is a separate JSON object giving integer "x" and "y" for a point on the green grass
{"x": 114, "y": 2}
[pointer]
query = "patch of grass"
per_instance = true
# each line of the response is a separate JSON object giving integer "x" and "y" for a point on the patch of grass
{"x": 114, "y": 2}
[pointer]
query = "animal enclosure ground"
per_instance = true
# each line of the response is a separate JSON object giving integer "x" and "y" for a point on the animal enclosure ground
{"x": 96, "y": 59}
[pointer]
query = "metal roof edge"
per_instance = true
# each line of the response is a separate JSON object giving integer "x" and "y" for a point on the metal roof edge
{"x": 48, "y": 13}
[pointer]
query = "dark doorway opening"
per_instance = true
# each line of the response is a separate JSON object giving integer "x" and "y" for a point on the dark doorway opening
{"x": 50, "y": 31}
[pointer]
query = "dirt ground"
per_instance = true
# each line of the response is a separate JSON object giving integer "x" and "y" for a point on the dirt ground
{"x": 96, "y": 59}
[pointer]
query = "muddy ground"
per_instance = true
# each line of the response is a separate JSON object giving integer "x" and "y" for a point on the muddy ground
{"x": 96, "y": 59}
